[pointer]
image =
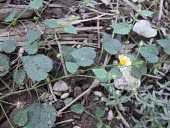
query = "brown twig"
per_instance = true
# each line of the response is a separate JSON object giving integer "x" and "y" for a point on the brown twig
{"x": 65, "y": 121}
{"x": 61, "y": 56}
{"x": 160, "y": 10}
{"x": 122, "y": 118}
{"x": 94, "y": 84}
{"x": 51, "y": 89}
{"x": 98, "y": 32}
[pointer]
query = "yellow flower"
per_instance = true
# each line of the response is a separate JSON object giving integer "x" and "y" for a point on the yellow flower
{"x": 124, "y": 60}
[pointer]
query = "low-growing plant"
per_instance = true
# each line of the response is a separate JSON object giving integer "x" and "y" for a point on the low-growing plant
{"x": 125, "y": 82}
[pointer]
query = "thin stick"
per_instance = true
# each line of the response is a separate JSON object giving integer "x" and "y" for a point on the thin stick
{"x": 62, "y": 58}
{"x": 133, "y": 6}
{"x": 94, "y": 84}
{"x": 51, "y": 89}
{"x": 65, "y": 121}
{"x": 6, "y": 116}
{"x": 157, "y": 77}
{"x": 122, "y": 118}
{"x": 160, "y": 10}
{"x": 98, "y": 32}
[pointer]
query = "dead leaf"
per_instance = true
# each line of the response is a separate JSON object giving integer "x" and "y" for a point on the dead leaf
{"x": 106, "y": 2}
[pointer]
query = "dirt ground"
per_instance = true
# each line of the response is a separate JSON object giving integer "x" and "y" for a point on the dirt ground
{"x": 61, "y": 9}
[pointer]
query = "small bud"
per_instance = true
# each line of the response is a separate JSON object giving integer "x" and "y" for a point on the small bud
{"x": 58, "y": 55}
{"x": 103, "y": 99}
{"x": 139, "y": 7}
{"x": 86, "y": 1}
{"x": 76, "y": 17}
{"x": 126, "y": 42}
{"x": 118, "y": 117}
{"x": 70, "y": 19}
{"x": 156, "y": 0}
{"x": 85, "y": 41}
{"x": 117, "y": 12}
{"x": 134, "y": 90}
{"x": 113, "y": 76}
{"x": 138, "y": 62}
{"x": 136, "y": 82}
{"x": 107, "y": 126}
{"x": 63, "y": 25}
{"x": 117, "y": 92}
{"x": 35, "y": 18}
{"x": 140, "y": 43}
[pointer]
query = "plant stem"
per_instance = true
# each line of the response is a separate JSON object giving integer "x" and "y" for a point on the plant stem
{"x": 6, "y": 116}
{"x": 14, "y": 20}
{"x": 35, "y": 87}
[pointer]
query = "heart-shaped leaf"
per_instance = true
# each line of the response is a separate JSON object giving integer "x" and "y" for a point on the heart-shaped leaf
{"x": 72, "y": 67}
{"x": 165, "y": 43}
{"x": 150, "y": 53}
{"x": 84, "y": 56}
{"x": 4, "y": 65}
{"x": 40, "y": 116}
{"x": 78, "y": 108}
{"x": 21, "y": 118}
{"x": 33, "y": 35}
{"x": 122, "y": 28}
{"x": 101, "y": 74}
{"x": 51, "y": 23}
{"x": 37, "y": 66}
{"x": 36, "y": 4}
{"x": 70, "y": 29}
{"x": 31, "y": 48}
{"x": 10, "y": 17}
{"x": 8, "y": 46}
{"x": 112, "y": 46}
{"x": 19, "y": 76}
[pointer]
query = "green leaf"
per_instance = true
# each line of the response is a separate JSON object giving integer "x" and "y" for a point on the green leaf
{"x": 165, "y": 43}
{"x": 90, "y": 5}
{"x": 33, "y": 35}
{"x": 10, "y": 17}
{"x": 139, "y": 70}
{"x": 31, "y": 48}
{"x": 37, "y": 66}
{"x": 72, "y": 67}
{"x": 4, "y": 65}
{"x": 78, "y": 108}
{"x": 36, "y": 4}
{"x": 101, "y": 74}
{"x": 66, "y": 51}
{"x": 84, "y": 56}
{"x": 21, "y": 118}
{"x": 99, "y": 113}
{"x": 99, "y": 124}
{"x": 116, "y": 71}
{"x": 138, "y": 66}
{"x": 150, "y": 53}
{"x": 40, "y": 116}
{"x": 8, "y": 46}
{"x": 147, "y": 13}
{"x": 51, "y": 23}
{"x": 122, "y": 28}
{"x": 68, "y": 100}
{"x": 19, "y": 76}
{"x": 70, "y": 29}
{"x": 112, "y": 46}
